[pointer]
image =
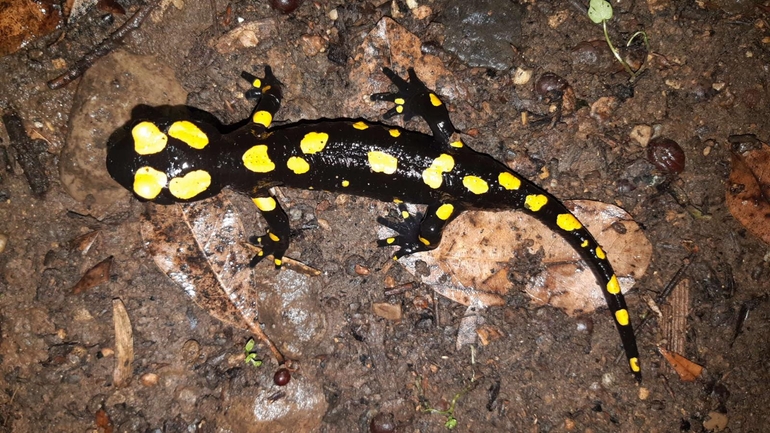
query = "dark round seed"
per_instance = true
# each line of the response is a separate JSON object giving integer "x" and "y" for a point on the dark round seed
{"x": 285, "y": 6}
{"x": 382, "y": 423}
{"x": 666, "y": 155}
{"x": 282, "y": 376}
{"x": 550, "y": 85}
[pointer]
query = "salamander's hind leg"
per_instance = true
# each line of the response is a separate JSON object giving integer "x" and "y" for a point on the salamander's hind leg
{"x": 416, "y": 232}
{"x": 413, "y": 98}
{"x": 267, "y": 91}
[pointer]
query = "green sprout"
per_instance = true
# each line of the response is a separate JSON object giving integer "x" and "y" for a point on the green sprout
{"x": 600, "y": 11}
{"x": 451, "y": 421}
{"x": 251, "y": 355}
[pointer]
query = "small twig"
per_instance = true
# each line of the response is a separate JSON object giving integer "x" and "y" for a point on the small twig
{"x": 400, "y": 289}
{"x": 105, "y": 47}
{"x": 26, "y": 153}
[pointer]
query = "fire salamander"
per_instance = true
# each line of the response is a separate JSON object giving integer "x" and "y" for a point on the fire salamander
{"x": 182, "y": 160}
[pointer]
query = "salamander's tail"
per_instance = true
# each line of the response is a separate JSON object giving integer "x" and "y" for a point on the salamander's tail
{"x": 556, "y": 216}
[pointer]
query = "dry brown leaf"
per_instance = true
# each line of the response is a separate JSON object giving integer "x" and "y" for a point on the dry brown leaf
{"x": 200, "y": 247}
{"x": 748, "y": 193}
{"x": 124, "y": 344}
{"x": 472, "y": 263}
{"x": 21, "y": 21}
{"x": 83, "y": 243}
{"x": 99, "y": 274}
{"x": 687, "y": 370}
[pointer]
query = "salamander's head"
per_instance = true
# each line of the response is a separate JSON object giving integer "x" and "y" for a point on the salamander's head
{"x": 165, "y": 161}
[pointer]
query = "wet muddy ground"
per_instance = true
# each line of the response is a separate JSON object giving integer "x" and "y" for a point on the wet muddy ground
{"x": 375, "y": 349}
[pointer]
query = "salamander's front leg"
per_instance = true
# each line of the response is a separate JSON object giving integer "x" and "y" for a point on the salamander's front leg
{"x": 413, "y": 98}
{"x": 268, "y": 91}
{"x": 415, "y": 235}
{"x": 276, "y": 240}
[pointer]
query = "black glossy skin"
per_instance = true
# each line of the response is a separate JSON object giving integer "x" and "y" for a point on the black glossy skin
{"x": 343, "y": 165}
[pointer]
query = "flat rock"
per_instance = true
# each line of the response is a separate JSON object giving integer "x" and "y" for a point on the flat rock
{"x": 107, "y": 93}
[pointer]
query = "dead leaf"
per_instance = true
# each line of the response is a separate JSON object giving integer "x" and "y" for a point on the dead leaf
{"x": 469, "y": 324}
{"x": 673, "y": 324}
{"x": 488, "y": 333}
{"x": 687, "y": 370}
{"x": 472, "y": 264}
{"x": 748, "y": 192}
{"x": 83, "y": 243}
{"x": 99, "y": 274}
{"x": 21, "y": 21}
{"x": 200, "y": 246}
{"x": 124, "y": 344}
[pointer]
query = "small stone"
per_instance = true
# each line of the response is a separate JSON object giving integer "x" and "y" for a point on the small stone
{"x": 641, "y": 134}
{"x": 387, "y": 311}
{"x": 604, "y": 108}
{"x": 715, "y": 422}
{"x": 149, "y": 379}
{"x": 521, "y": 76}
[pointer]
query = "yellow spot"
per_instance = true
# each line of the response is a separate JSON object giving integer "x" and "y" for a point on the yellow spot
{"x": 257, "y": 83}
{"x": 266, "y": 88}
{"x": 345, "y": 183}
{"x": 278, "y": 262}
{"x": 189, "y": 133}
{"x": 613, "y": 287}
{"x": 634, "y": 363}
{"x": 298, "y": 165}
{"x": 434, "y": 100}
{"x": 568, "y": 222}
{"x": 148, "y": 139}
{"x": 622, "y": 316}
{"x": 432, "y": 176}
{"x": 445, "y": 211}
{"x": 584, "y": 244}
{"x": 397, "y": 201}
{"x": 399, "y": 109}
{"x": 381, "y": 162}
{"x": 190, "y": 185}
{"x": 600, "y": 253}
{"x": 475, "y": 184}
{"x": 508, "y": 181}
{"x": 394, "y": 133}
{"x": 390, "y": 240}
{"x": 263, "y": 118}
{"x": 274, "y": 237}
{"x": 313, "y": 142}
{"x": 148, "y": 182}
{"x": 423, "y": 240}
{"x": 404, "y": 214}
{"x": 360, "y": 125}
{"x": 458, "y": 144}
{"x": 265, "y": 204}
{"x": 399, "y": 101}
{"x": 535, "y": 202}
{"x": 261, "y": 253}
{"x": 257, "y": 160}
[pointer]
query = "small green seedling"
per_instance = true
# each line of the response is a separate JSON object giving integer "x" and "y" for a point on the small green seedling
{"x": 451, "y": 421}
{"x": 600, "y": 11}
{"x": 251, "y": 355}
